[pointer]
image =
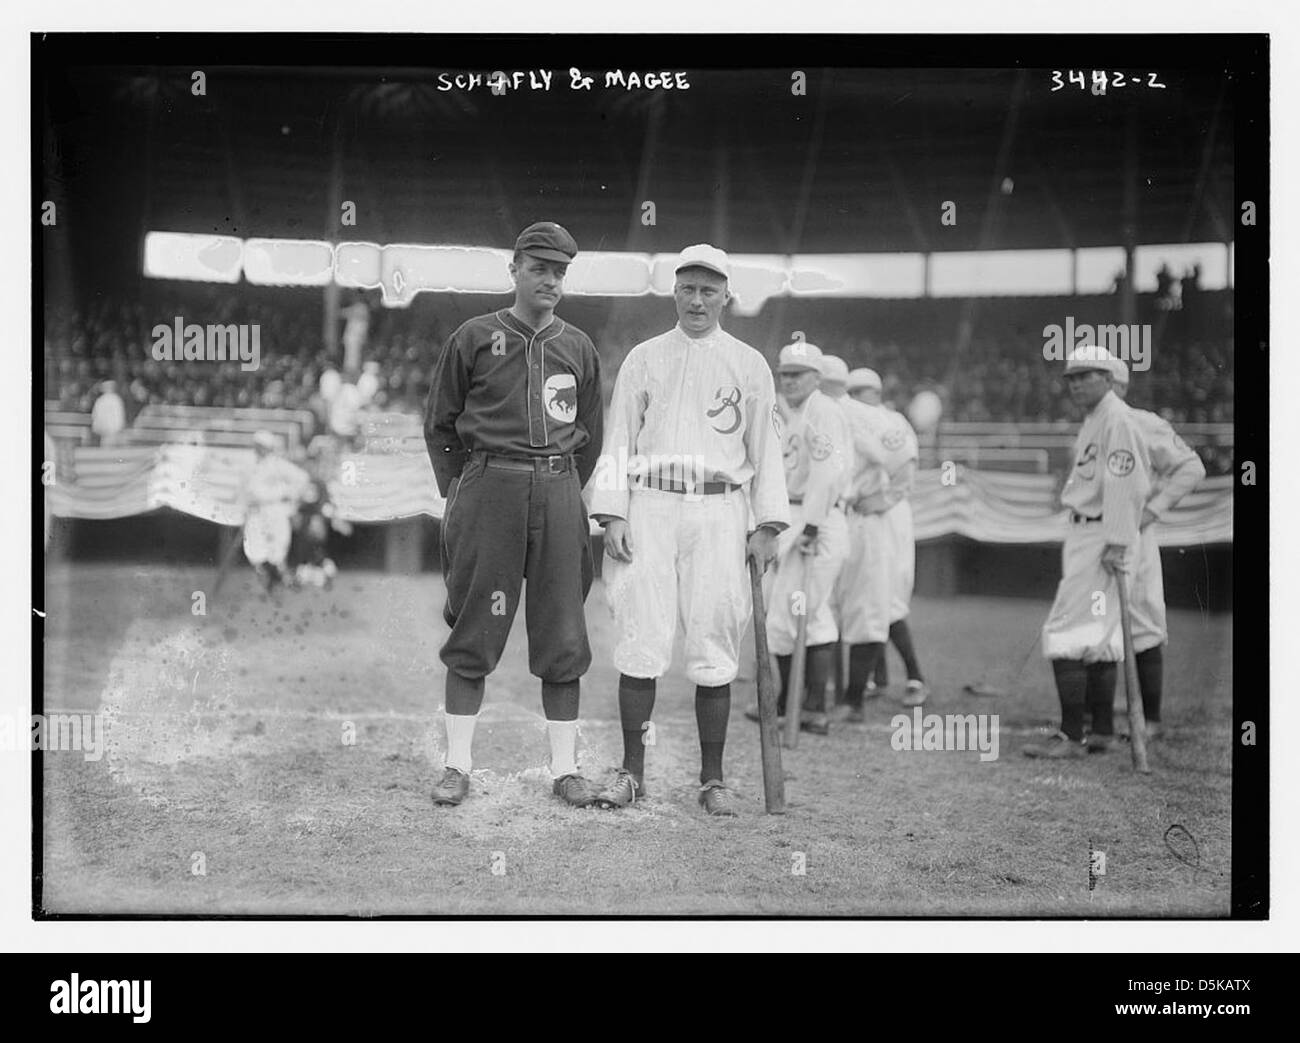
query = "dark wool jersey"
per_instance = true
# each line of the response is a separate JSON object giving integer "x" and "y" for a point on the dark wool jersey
{"x": 502, "y": 387}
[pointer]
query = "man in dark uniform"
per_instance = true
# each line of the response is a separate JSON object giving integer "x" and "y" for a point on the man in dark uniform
{"x": 514, "y": 428}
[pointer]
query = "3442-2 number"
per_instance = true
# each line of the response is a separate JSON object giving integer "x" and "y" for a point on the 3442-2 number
{"x": 1101, "y": 80}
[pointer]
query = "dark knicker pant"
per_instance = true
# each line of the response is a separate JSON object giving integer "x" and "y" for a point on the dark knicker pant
{"x": 503, "y": 525}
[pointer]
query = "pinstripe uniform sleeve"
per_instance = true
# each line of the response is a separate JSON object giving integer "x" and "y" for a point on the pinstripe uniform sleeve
{"x": 769, "y": 502}
{"x": 824, "y": 441}
{"x": 1176, "y": 469}
{"x": 1123, "y": 463}
{"x": 622, "y": 429}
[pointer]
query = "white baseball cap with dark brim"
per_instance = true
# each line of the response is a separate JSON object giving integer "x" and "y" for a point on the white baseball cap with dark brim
{"x": 702, "y": 255}
{"x": 799, "y": 356}
{"x": 864, "y": 378}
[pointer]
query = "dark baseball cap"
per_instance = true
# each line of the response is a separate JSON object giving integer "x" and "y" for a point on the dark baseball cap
{"x": 547, "y": 240}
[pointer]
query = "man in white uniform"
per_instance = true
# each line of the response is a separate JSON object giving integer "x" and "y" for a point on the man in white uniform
{"x": 1105, "y": 494}
{"x": 901, "y": 453}
{"x": 271, "y": 497}
{"x": 689, "y": 486}
{"x": 816, "y": 446}
{"x": 858, "y": 596}
{"x": 1175, "y": 471}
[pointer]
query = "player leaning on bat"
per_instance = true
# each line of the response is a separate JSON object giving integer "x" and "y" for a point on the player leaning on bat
{"x": 1175, "y": 472}
{"x": 513, "y": 427}
{"x": 690, "y": 486}
{"x": 1107, "y": 496}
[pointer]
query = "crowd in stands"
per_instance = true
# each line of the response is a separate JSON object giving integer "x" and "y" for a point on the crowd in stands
{"x": 996, "y": 379}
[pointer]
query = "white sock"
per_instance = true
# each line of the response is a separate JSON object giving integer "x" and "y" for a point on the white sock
{"x": 564, "y": 747}
{"x": 460, "y": 737}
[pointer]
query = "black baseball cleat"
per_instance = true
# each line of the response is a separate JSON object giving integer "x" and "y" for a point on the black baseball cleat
{"x": 622, "y": 792}
{"x": 1058, "y": 746}
{"x": 716, "y": 799}
{"x": 452, "y": 788}
{"x": 815, "y": 724}
{"x": 1100, "y": 743}
{"x": 574, "y": 790}
{"x": 752, "y": 714}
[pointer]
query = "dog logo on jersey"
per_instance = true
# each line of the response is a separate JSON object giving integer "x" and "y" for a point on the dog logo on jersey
{"x": 820, "y": 447}
{"x": 561, "y": 397}
{"x": 1087, "y": 465}
{"x": 1120, "y": 463}
{"x": 894, "y": 439}
{"x": 728, "y": 408}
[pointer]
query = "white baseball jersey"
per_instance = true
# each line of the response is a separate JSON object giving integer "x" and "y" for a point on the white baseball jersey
{"x": 815, "y": 443}
{"x": 867, "y": 453}
{"x": 1110, "y": 479}
{"x": 684, "y": 405}
{"x": 688, "y": 410}
{"x": 1107, "y": 489}
{"x": 1175, "y": 467}
{"x": 1175, "y": 471}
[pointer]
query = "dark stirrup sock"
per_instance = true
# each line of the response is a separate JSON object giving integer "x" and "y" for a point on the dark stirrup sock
{"x": 1071, "y": 688}
{"x": 1151, "y": 679}
{"x": 636, "y": 701}
{"x": 712, "y": 708}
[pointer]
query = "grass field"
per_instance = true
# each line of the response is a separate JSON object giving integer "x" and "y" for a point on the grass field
{"x": 225, "y": 739}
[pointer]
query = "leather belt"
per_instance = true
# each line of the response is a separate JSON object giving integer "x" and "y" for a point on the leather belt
{"x": 540, "y": 464}
{"x": 1083, "y": 519}
{"x": 671, "y": 485}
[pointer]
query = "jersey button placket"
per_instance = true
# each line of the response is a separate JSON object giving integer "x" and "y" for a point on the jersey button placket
{"x": 537, "y": 422}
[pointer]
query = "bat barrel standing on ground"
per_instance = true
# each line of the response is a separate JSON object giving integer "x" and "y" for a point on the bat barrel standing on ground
{"x": 1137, "y": 728}
{"x": 769, "y": 739}
{"x": 794, "y": 693}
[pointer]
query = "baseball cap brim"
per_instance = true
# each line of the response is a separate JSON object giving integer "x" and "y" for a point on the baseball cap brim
{"x": 547, "y": 254}
{"x": 706, "y": 265}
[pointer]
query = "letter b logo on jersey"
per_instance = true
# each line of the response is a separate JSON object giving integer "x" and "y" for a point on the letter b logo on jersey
{"x": 725, "y": 414}
{"x": 561, "y": 397}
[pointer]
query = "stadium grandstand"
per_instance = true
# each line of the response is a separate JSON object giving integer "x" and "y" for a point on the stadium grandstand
{"x": 968, "y": 219}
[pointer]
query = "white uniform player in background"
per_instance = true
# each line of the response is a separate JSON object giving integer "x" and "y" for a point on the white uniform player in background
{"x": 1106, "y": 493}
{"x": 816, "y": 449}
{"x": 689, "y": 484}
{"x": 860, "y": 598}
{"x": 901, "y": 454}
{"x": 271, "y": 496}
{"x": 1175, "y": 471}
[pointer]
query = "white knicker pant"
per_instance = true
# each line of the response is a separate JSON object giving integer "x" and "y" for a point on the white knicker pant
{"x": 902, "y": 563}
{"x": 688, "y": 567}
{"x": 1085, "y": 620}
{"x": 805, "y": 581}
{"x": 1147, "y": 596}
{"x": 267, "y": 532}
{"x": 864, "y": 588}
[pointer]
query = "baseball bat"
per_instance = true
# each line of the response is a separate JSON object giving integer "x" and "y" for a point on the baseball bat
{"x": 769, "y": 739}
{"x": 794, "y": 693}
{"x": 1137, "y": 728}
